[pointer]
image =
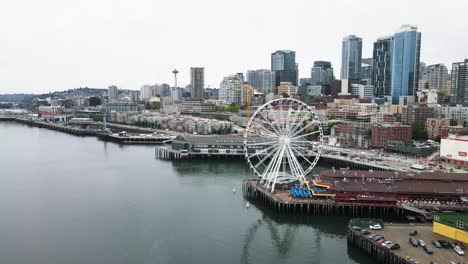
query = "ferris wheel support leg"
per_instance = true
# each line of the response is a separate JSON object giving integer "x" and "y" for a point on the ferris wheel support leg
{"x": 277, "y": 167}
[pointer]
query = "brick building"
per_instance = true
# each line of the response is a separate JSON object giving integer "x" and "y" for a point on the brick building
{"x": 382, "y": 133}
{"x": 352, "y": 135}
{"x": 434, "y": 126}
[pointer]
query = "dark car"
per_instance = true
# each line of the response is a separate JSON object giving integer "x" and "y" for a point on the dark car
{"x": 365, "y": 232}
{"x": 378, "y": 237}
{"x": 444, "y": 243}
{"x": 371, "y": 236}
{"x": 428, "y": 249}
{"x": 413, "y": 242}
{"x": 413, "y": 232}
{"x": 436, "y": 244}
{"x": 395, "y": 247}
{"x": 433, "y": 262}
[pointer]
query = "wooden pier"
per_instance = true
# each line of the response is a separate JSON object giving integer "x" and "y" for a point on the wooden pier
{"x": 283, "y": 203}
{"x": 66, "y": 129}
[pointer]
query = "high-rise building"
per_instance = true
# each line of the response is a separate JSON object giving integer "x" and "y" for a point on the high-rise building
{"x": 230, "y": 89}
{"x": 134, "y": 96}
{"x": 405, "y": 62}
{"x": 164, "y": 90}
{"x": 459, "y": 83}
{"x": 113, "y": 93}
{"x": 263, "y": 80}
{"x": 435, "y": 76}
{"x": 146, "y": 92}
{"x": 382, "y": 66}
{"x": 351, "y": 55}
{"x": 366, "y": 73}
{"x": 283, "y": 63}
{"x": 197, "y": 82}
{"x": 363, "y": 91}
{"x": 321, "y": 73}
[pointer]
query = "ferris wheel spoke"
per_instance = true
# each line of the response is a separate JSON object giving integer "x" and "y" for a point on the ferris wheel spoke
{"x": 298, "y": 168}
{"x": 269, "y": 123}
{"x": 307, "y": 134}
{"x": 298, "y": 124}
{"x": 300, "y": 154}
{"x": 266, "y": 157}
{"x": 304, "y": 128}
{"x": 306, "y": 150}
{"x": 266, "y": 173}
{"x": 263, "y": 151}
{"x": 271, "y": 133}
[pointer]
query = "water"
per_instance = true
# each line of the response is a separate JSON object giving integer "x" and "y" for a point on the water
{"x": 67, "y": 199}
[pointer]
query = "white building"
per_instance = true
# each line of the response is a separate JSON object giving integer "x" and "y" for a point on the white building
{"x": 113, "y": 93}
{"x": 146, "y": 92}
{"x": 455, "y": 150}
{"x": 51, "y": 109}
{"x": 363, "y": 91}
{"x": 451, "y": 112}
{"x": 230, "y": 89}
{"x": 427, "y": 96}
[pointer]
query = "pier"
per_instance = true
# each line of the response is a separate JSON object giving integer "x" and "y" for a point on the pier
{"x": 62, "y": 128}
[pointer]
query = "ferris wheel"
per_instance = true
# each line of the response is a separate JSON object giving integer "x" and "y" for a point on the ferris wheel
{"x": 283, "y": 141}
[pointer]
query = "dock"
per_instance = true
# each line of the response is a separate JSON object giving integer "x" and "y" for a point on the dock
{"x": 399, "y": 233}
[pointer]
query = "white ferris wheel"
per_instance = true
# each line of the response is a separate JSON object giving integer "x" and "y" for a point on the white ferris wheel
{"x": 283, "y": 141}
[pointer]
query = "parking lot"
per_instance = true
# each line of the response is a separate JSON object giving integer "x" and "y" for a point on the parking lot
{"x": 399, "y": 233}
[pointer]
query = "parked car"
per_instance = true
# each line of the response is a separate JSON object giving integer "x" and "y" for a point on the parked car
{"x": 421, "y": 243}
{"x": 436, "y": 244}
{"x": 433, "y": 262}
{"x": 380, "y": 241}
{"x": 389, "y": 245}
{"x": 386, "y": 242}
{"x": 375, "y": 227}
{"x": 413, "y": 242}
{"x": 428, "y": 249}
{"x": 365, "y": 232}
{"x": 413, "y": 232}
{"x": 357, "y": 228}
{"x": 460, "y": 244}
{"x": 378, "y": 237}
{"x": 459, "y": 250}
{"x": 371, "y": 236}
{"x": 444, "y": 243}
{"x": 395, "y": 246}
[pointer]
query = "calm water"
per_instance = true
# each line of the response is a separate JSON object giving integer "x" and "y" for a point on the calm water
{"x": 67, "y": 199}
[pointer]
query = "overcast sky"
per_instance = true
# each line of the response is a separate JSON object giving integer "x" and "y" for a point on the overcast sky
{"x": 53, "y": 45}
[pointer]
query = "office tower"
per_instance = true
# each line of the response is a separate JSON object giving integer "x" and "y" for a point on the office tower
{"x": 405, "y": 62}
{"x": 164, "y": 90}
{"x": 435, "y": 77}
{"x": 134, "y": 96}
{"x": 321, "y": 73}
{"x": 351, "y": 55}
{"x": 459, "y": 83}
{"x": 382, "y": 66}
{"x": 113, "y": 93}
{"x": 197, "y": 82}
{"x": 146, "y": 92}
{"x": 262, "y": 80}
{"x": 283, "y": 63}
{"x": 366, "y": 71}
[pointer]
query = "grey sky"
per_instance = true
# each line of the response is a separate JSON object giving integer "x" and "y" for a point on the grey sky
{"x": 57, "y": 44}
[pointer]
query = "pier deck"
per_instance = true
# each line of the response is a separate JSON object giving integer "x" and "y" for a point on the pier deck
{"x": 399, "y": 233}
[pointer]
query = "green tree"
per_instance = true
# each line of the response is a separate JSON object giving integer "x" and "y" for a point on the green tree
{"x": 233, "y": 108}
{"x": 419, "y": 133}
{"x": 285, "y": 95}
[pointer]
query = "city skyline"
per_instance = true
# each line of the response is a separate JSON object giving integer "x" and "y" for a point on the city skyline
{"x": 55, "y": 46}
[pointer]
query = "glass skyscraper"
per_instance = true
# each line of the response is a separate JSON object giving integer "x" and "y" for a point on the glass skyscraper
{"x": 351, "y": 55}
{"x": 283, "y": 63}
{"x": 405, "y": 62}
{"x": 262, "y": 80}
{"x": 459, "y": 89}
{"x": 382, "y": 66}
{"x": 321, "y": 73}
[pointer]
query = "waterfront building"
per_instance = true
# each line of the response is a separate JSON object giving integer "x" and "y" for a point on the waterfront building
{"x": 146, "y": 92}
{"x": 382, "y": 66}
{"x": 363, "y": 91}
{"x": 321, "y": 73}
{"x": 196, "y": 105}
{"x": 416, "y": 114}
{"x": 230, "y": 89}
{"x": 459, "y": 83}
{"x": 113, "y": 93}
{"x": 351, "y": 55}
{"x": 263, "y": 80}
{"x": 405, "y": 62}
{"x": 283, "y": 64}
{"x": 120, "y": 107}
{"x": 197, "y": 82}
{"x": 51, "y": 109}
{"x": 434, "y": 126}
{"x": 352, "y": 135}
{"x": 454, "y": 149}
{"x": 382, "y": 133}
